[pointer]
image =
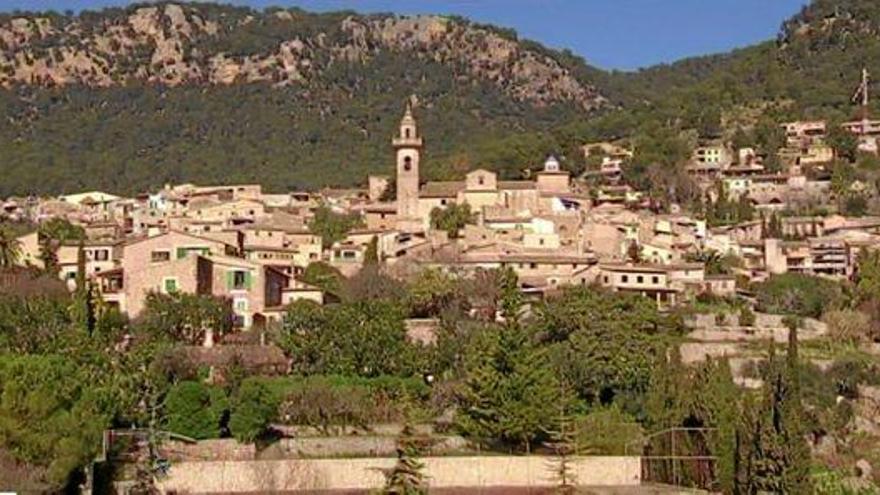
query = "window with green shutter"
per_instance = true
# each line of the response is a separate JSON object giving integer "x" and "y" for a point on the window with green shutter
{"x": 183, "y": 251}
{"x": 170, "y": 285}
{"x": 241, "y": 280}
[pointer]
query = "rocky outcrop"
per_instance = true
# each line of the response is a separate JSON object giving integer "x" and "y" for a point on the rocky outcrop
{"x": 174, "y": 44}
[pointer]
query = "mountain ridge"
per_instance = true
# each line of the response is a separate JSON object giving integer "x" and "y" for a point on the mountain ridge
{"x": 302, "y": 100}
{"x": 172, "y": 43}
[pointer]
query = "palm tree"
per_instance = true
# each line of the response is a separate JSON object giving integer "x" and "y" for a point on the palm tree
{"x": 52, "y": 234}
{"x": 10, "y": 247}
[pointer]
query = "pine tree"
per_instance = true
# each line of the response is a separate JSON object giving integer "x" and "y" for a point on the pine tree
{"x": 507, "y": 388}
{"x": 563, "y": 441}
{"x": 406, "y": 477}
{"x": 511, "y": 296}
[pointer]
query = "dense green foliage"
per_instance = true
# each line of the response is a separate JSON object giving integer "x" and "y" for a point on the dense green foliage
{"x": 326, "y": 402}
{"x": 358, "y": 339}
{"x": 332, "y": 226}
{"x": 510, "y": 383}
{"x": 803, "y": 295}
{"x": 186, "y": 317}
{"x": 50, "y": 412}
{"x": 194, "y": 410}
{"x": 141, "y": 137}
{"x": 700, "y": 397}
{"x": 605, "y": 361}
{"x": 605, "y": 344}
{"x": 61, "y": 387}
{"x": 253, "y": 406}
{"x": 451, "y": 219}
{"x": 772, "y": 450}
{"x": 323, "y": 276}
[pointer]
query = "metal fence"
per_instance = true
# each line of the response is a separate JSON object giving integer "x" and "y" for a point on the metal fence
{"x": 680, "y": 457}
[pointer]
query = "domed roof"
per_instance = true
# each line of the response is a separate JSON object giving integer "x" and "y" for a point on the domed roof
{"x": 551, "y": 164}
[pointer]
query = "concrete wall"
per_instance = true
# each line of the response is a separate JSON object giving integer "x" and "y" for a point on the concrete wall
{"x": 349, "y": 474}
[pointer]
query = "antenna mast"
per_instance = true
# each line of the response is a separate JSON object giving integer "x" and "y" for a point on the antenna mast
{"x": 862, "y": 93}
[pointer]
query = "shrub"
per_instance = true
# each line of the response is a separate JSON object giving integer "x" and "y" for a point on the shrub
{"x": 327, "y": 401}
{"x": 253, "y": 408}
{"x": 802, "y": 295}
{"x": 746, "y": 317}
{"x": 846, "y": 325}
{"x": 826, "y": 482}
{"x": 606, "y": 431}
{"x": 195, "y": 410}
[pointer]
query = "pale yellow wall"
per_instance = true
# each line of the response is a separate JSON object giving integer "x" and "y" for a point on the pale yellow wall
{"x": 302, "y": 295}
{"x": 480, "y": 180}
{"x": 541, "y": 241}
{"x": 633, "y": 280}
{"x": 366, "y": 474}
{"x": 30, "y": 250}
{"x": 479, "y": 199}
{"x": 428, "y": 204}
{"x": 521, "y": 199}
{"x": 68, "y": 255}
{"x": 555, "y": 183}
{"x": 233, "y": 209}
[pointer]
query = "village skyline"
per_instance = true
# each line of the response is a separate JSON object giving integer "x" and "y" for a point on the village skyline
{"x": 281, "y": 251}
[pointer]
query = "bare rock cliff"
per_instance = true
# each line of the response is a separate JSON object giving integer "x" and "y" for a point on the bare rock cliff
{"x": 174, "y": 44}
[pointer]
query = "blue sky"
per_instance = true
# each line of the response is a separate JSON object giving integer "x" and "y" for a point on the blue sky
{"x": 612, "y": 34}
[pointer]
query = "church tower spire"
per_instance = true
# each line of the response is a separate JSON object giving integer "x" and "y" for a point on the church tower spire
{"x": 408, "y": 147}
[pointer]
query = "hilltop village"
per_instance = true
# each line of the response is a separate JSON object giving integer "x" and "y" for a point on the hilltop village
{"x": 302, "y": 332}
{"x": 552, "y": 229}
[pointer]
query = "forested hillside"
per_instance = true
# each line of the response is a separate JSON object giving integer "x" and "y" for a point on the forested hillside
{"x": 127, "y": 99}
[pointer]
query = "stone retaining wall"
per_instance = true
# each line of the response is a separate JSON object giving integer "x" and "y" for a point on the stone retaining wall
{"x": 365, "y": 474}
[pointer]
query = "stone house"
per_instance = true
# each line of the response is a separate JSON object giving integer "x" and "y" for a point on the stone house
{"x": 668, "y": 285}
{"x": 254, "y": 290}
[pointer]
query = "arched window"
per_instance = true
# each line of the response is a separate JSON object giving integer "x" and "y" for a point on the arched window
{"x": 406, "y": 133}
{"x": 407, "y": 163}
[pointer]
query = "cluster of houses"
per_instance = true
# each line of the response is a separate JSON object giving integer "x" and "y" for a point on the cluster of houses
{"x": 239, "y": 242}
{"x": 802, "y": 176}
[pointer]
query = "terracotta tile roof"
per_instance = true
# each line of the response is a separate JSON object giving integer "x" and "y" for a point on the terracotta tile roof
{"x": 249, "y": 356}
{"x": 516, "y": 185}
{"x": 381, "y": 207}
{"x": 650, "y": 268}
{"x": 444, "y": 189}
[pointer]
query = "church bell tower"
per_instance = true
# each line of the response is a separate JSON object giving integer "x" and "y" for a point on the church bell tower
{"x": 408, "y": 148}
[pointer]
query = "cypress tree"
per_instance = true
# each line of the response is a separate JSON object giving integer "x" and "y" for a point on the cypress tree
{"x": 371, "y": 255}
{"x": 772, "y": 451}
{"x": 796, "y": 475}
{"x": 83, "y": 308}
